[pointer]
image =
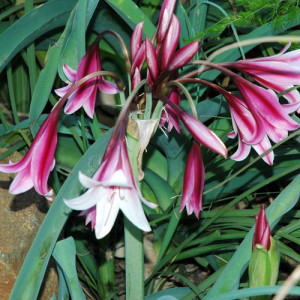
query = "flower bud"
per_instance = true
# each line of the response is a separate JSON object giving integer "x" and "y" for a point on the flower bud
{"x": 265, "y": 258}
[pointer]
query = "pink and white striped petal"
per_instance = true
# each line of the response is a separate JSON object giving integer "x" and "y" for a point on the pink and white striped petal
{"x": 183, "y": 56}
{"x": 136, "y": 39}
{"x": 152, "y": 60}
{"x": 69, "y": 72}
{"x": 170, "y": 43}
{"x": 165, "y": 16}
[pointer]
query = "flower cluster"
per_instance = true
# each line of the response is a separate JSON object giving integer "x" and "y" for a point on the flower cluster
{"x": 257, "y": 117}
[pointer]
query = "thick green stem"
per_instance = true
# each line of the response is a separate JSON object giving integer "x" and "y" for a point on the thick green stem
{"x": 134, "y": 261}
{"x": 134, "y": 247}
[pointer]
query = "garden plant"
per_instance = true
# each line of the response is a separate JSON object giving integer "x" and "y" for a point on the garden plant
{"x": 164, "y": 131}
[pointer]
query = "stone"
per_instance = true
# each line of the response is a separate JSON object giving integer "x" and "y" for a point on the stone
{"x": 21, "y": 216}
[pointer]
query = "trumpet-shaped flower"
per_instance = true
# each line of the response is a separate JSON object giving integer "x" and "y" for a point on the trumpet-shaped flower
{"x": 85, "y": 95}
{"x": 257, "y": 118}
{"x": 265, "y": 103}
{"x": 251, "y": 133}
{"x": 193, "y": 182}
{"x": 35, "y": 167}
{"x": 112, "y": 188}
{"x": 279, "y": 72}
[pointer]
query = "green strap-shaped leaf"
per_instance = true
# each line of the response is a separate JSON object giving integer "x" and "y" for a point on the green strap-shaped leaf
{"x": 63, "y": 53}
{"x": 65, "y": 255}
{"x": 229, "y": 280}
{"x": 32, "y": 272}
{"x": 63, "y": 293}
{"x": 252, "y": 292}
{"x": 132, "y": 14}
{"x": 74, "y": 44}
{"x": 51, "y": 15}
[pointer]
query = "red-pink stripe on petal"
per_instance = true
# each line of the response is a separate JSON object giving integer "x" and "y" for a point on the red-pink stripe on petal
{"x": 62, "y": 91}
{"x": 166, "y": 13}
{"x": 139, "y": 59}
{"x": 42, "y": 161}
{"x": 136, "y": 39}
{"x": 276, "y": 135}
{"x": 69, "y": 72}
{"x": 293, "y": 96}
{"x": 90, "y": 63}
{"x": 262, "y": 147}
{"x": 136, "y": 78}
{"x": 267, "y": 105}
{"x": 22, "y": 182}
{"x": 271, "y": 71}
{"x": 203, "y": 134}
{"x": 183, "y": 56}
{"x": 232, "y": 134}
{"x": 77, "y": 100}
{"x": 107, "y": 87}
{"x": 170, "y": 114}
{"x": 89, "y": 104}
{"x": 242, "y": 151}
{"x": 14, "y": 167}
{"x": 152, "y": 59}
{"x": 171, "y": 42}
{"x": 292, "y": 107}
{"x": 193, "y": 182}
{"x": 262, "y": 231}
{"x": 253, "y": 132}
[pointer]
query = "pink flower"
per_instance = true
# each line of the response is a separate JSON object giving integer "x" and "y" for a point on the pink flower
{"x": 278, "y": 72}
{"x": 257, "y": 118}
{"x": 251, "y": 133}
{"x": 169, "y": 114}
{"x": 34, "y": 169}
{"x": 85, "y": 95}
{"x": 113, "y": 187}
{"x": 262, "y": 232}
{"x": 193, "y": 182}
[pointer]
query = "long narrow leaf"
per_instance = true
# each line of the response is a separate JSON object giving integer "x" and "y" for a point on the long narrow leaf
{"x": 40, "y": 20}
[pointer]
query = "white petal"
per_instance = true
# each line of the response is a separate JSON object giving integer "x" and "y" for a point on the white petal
{"x": 87, "y": 200}
{"x": 118, "y": 179}
{"x": 106, "y": 214}
{"x": 132, "y": 208}
{"x": 87, "y": 181}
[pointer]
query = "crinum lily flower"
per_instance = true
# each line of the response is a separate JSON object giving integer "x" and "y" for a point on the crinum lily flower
{"x": 193, "y": 182}
{"x": 279, "y": 72}
{"x": 35, "y": 167}
{"x": 113, "y": 187}
{"x": 250, "y": 132}
{"x": 85, "y": 95}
